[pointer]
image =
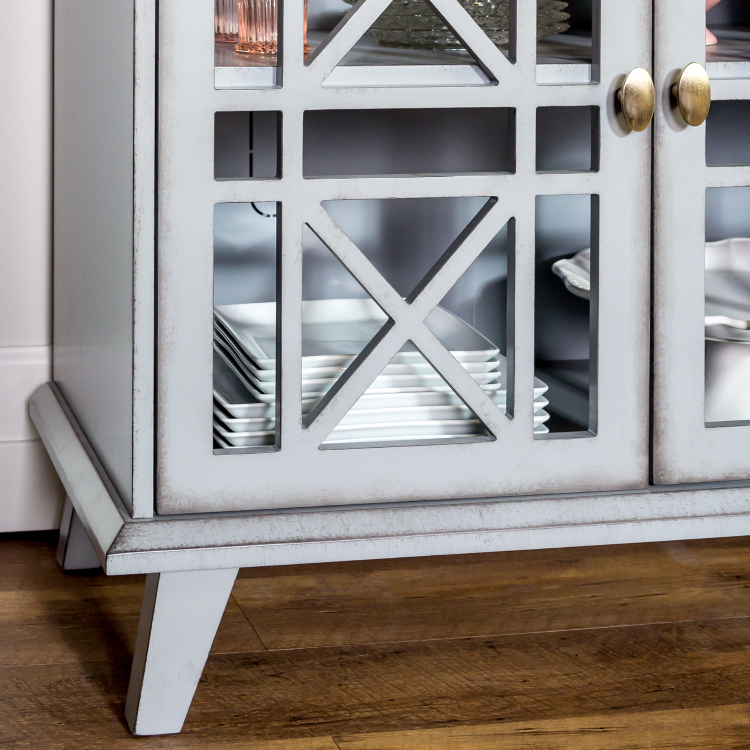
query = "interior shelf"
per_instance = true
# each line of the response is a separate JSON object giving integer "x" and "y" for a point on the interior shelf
{"x": 563, "y": 59}
{"x": 730, "y": 58}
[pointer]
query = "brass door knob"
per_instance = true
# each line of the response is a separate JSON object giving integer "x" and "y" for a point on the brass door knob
{"x": 638, "y": 99}
{"x": 693, "y": 94}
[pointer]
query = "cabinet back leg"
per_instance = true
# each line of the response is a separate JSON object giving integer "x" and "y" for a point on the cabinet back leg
{"x": 74, "y": 550}
{"x": 179, "y": 619}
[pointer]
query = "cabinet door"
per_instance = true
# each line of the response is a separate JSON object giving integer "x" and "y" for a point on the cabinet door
{"x": 360, "y": 297}
{"x": 702, "y": 259}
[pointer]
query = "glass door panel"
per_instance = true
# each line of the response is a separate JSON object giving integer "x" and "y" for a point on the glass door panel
{"x": 385, "y": 285}
{"x": 702, "y": 246}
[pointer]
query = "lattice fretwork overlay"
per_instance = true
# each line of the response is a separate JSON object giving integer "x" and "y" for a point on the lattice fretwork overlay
{"x": 503, "y": 198}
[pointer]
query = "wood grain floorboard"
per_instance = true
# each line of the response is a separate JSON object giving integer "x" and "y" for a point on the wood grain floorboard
{"x": 509, "y": 592}
{"x": 726, "y": 727}
{"x": 580, "y": 678}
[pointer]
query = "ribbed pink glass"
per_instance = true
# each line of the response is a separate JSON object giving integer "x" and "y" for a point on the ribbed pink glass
{"x": 259, "y": 27}
{"x": 226, "y": 26}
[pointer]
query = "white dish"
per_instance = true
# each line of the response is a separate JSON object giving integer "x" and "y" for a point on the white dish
{"x": 256, "y": 440}
{"x": 264, "y": 390}
{"x": 416, "y": 367}
{"x": 370, "y": 416}
{"x": 727, "y": 286}
{"x": 401, "y": 433}
{"x": 576, "y": 273}
{"x": 231, "y": 394}
{"x": 334, "y": 331}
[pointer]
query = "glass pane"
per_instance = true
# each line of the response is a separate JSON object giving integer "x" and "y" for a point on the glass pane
{"x": 246, "y": 145}
{"x": 727, "y": 134}
{"x": 727, "y": 322}
{"x": 245, "y": 327}
{"x": 480, "y": 306}
{"x": 565, "y": 309}
{"x": 567, "y": 41}
{"x": 246, "y": 36}
{"x": 409, "y": 403}
{"x": 567, "y": 139}
{"x": 408, "y": 32}
{"x": 409, "y": 141}
{"x": 408, "y": 44}
{"x": 339, "y": 319}
{"x": 404, "y": 237}
{"x": 407, "y": 241}
{"x": 727, "y": 34}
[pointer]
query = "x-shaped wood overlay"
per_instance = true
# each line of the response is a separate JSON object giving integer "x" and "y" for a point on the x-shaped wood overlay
{"x": 407, "y": 321}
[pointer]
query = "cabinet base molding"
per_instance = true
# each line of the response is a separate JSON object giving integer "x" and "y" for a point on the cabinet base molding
{"x": 317, "y": 535}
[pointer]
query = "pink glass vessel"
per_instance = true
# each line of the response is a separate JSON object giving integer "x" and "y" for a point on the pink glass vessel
{"x": 710, "y": 36}
{"x": 258, "y": 22}
{"x": 226, "y": 27}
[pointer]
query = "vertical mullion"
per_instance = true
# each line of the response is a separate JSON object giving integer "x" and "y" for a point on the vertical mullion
{"x": 289, "y": 280}
{"x": 594, "y": 320}
{"x": 522, "y": 354}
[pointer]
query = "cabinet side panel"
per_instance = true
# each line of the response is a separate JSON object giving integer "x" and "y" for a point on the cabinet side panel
{"x": 93, "y": 225}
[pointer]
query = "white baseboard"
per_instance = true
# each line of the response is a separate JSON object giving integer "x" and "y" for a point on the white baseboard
{"x": 22, "y": 371}
{"x": 31, "y": 495}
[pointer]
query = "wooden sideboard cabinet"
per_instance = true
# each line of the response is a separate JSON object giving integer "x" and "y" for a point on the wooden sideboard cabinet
{"x": 421, "y": 281}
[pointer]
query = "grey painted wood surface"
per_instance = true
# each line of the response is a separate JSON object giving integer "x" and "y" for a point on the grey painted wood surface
{"x": 144, "y": 250}
{"x": 179, "y": 619}
{"x": 93, "y": 225}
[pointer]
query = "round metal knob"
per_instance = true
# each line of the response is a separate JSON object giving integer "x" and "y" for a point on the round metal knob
{"x": 638, "y": 99}
{"x": 693, "y": 94}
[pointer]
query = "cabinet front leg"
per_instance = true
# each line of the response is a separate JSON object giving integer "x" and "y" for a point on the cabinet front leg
{"x": 179, "y": 619}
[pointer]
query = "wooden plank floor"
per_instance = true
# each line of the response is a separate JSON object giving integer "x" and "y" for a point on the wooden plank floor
{"x": 638, "y": 646}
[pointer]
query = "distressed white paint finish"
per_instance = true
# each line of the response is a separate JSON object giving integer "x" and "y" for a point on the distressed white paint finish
{"x": 425, "y": 529}
{"x": 179, "y": 619}
{"x": 31, "y": 496}
{"x": 190, "y": 478}
{"x": 94, "y": 225}
{"x": 74, "y": 549}
{"x": 22, "y": 371}
{"x": 685, "y": 450}
{"x": 144, "y": 206}
{"x": 25, "y": 172}
{"x": 84, "y": 480}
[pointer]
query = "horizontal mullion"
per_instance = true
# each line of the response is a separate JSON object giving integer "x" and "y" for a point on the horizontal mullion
{"x": 727, "y": 176}
{"x": 572, "y": 183}
{"x": 307, "y": 94}
{"x": 504, "y": 187}
{"x": 730, "y": 88}
{"x": 429, "y": 186}
{"x": 248, "y": 191}
{"x": 568, "y": 95}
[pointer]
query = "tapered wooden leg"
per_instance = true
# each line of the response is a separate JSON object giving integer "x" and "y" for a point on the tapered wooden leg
{"x": 74, "y": 550}
{"x": 179, "y": 619}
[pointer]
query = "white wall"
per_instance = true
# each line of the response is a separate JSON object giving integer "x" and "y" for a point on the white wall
{"x": 30, "y": 494}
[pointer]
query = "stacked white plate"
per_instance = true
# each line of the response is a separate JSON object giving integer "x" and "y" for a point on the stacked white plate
{"x": 727, "y": 396}
{"x": 409, "y": 402}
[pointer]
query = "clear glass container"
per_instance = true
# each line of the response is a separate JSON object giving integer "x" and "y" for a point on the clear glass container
{"x": 226, "y": 25}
